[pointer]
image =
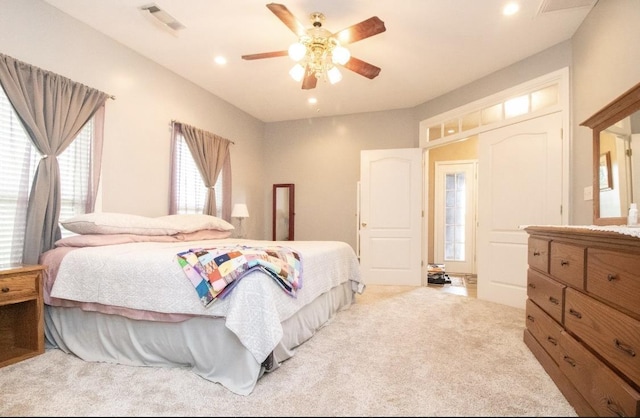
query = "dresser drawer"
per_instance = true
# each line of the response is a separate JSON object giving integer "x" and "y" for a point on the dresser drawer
{"x": 566, "y": 263}
{"x": 614, "y": 276}
{"x": 546, "y": 293}
{"x": 544, "y": 329}
{"x": 538, "y": 254}
{"x": 18, "y": 287}
{"x": 606, "y": 392}
{"x": 612, "y": 334}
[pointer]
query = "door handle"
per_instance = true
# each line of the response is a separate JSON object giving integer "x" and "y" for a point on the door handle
{"x": 364, "y": 224}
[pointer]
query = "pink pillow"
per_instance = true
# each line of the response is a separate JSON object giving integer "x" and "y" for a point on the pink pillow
{"x": 97, "y": 240}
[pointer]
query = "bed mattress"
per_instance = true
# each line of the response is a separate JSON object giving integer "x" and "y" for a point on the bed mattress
{"x": 132, "y": 304}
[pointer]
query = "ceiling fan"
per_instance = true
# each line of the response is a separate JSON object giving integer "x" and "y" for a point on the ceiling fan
{"x": 318, "y": 51}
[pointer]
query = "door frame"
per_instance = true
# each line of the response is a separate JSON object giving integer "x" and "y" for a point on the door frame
{"x": 559, "y": 77}
{"x": 471, "y": 206}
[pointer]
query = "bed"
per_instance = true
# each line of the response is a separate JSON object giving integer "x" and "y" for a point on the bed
{"x": 119, "y": 291}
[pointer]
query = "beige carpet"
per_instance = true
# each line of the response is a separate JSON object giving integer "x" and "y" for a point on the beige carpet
{"x": 400, "y": 351}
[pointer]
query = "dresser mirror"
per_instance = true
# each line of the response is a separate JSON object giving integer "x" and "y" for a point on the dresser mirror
{"x": 616, "y": 158}
{"x": 283, "y": 212}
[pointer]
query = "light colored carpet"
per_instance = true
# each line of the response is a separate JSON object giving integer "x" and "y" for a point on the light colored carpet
{"x": 399, "y": 351}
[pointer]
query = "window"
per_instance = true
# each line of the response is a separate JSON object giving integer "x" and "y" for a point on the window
{"x": 189, "y": 189}
{"x": 455, "y": 215}
{"x": 18, "y": 162}
{"x": 485, "y": 116}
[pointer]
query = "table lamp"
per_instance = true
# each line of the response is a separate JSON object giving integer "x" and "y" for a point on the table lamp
{"x": 240, "y": 211}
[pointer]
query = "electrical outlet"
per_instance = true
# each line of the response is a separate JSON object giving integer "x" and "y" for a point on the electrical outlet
{"x": 588, "y": 193}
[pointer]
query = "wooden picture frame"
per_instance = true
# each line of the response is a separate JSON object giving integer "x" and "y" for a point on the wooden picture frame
{"x": 606, "y": 179}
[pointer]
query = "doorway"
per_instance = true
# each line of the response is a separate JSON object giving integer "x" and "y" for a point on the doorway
{"x": 455, "y": 216}
{"x": 461, "y": 151}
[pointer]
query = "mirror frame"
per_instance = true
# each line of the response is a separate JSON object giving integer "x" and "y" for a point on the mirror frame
{"x": 291, "y": 188}
{"x": 625, "y": 105}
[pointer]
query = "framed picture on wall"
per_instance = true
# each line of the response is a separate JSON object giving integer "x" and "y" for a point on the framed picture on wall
{"x": 606, "y": 181}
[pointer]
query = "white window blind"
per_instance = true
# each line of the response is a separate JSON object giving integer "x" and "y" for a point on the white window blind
{"x": 190, "y": 190}
{"x": 18, "y": 162}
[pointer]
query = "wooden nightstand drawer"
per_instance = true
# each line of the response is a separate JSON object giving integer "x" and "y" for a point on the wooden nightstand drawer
{"x": 614, "y": 276}
{"x": 546, "y": 293}
{"x": 21, "y": 313}
{"x": 566, "y": 263}
{"x": 606, "y": 392}
{"x": 18, "y": 287}
{"x": 545, "y": 330}
{"x": 614, "y": 335}
{"x": 538, "y": 254}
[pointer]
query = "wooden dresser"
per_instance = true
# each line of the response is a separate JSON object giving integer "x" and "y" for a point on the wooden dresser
{"x": 583, "y": 314}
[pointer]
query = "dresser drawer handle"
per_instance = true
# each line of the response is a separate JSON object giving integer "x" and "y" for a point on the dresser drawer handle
{"x": 614, "y": 408}
{"x": 564, "y": 263}
{"x": 611, "y": 277}
{"x": 575, "y": 313}
{"x": 570, "y": 361}
{"x": 553, "y": 300}
{"x": 532, "y": 285}
{"x": 552, "y": 340}
{"x": 536, "y": 252}
{"x": 531, "y": 318}
{"x": 627, "y": 349}
{"x": 5, "y": 290}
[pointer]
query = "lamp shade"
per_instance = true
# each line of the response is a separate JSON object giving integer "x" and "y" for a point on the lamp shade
{"x": 240, "y": 211}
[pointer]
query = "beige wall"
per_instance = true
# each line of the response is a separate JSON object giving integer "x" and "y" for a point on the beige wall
{"x": 321, "y": 156}
{"x": 606, "y": 63}
{"x": 135, "y": 168}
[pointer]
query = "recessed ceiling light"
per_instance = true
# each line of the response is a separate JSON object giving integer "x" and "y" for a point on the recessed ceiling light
{"x": 510, "y": 9}
{"x": 220, "y": 60}
{"x": 312, "y": 100}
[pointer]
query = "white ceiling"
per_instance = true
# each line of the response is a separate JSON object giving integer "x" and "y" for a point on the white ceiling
{"x": 429, "y": 48}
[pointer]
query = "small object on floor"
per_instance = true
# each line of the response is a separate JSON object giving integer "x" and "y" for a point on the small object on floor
{"x": 438, "y": 279}
{"x": 436, "y": 274}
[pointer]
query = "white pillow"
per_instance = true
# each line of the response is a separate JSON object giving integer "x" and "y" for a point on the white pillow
{"x": 196, "y": 222}
{"x": 117, "y": 223}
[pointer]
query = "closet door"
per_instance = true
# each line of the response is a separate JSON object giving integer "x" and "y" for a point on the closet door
{"x": 519, "y": 184}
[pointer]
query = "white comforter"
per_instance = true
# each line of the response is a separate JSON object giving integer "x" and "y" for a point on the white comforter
{"x": 146, "y": 276}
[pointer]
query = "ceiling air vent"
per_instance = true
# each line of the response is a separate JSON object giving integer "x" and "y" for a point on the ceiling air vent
{"x": 547, "y": 6}
{"x": 163, "y": 17}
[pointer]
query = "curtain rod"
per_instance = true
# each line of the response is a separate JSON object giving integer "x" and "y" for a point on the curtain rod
{"x": 181, "y": 123}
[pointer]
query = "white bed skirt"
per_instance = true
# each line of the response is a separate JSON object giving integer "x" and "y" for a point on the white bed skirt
{"x": 203, "y": 345}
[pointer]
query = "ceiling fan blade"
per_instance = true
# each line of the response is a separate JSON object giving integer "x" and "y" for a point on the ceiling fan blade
{"x": 363, "y": 68}
{"x": 281, "y": 11}
{"x": 309, "y": 82}
{"x": 265, "y": 55}
{"x": 360, "y": 31}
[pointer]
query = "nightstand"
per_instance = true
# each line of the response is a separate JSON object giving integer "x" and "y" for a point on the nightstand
{"x": 21, "y": 313}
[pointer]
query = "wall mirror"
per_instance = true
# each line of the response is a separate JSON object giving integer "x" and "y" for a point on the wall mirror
{"x": 283, "y": 212}
{"x": 616, "y": 158}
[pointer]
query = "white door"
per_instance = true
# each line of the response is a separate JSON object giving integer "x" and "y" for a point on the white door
{"x": 391, "y": 216}
{"x": 455, "y": 215}
{"x": 519, "y": 183}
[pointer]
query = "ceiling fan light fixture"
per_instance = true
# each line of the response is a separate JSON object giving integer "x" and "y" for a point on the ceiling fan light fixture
{"x": 297, "y": 72}
{"x": 317, "y": 51}
{"x": 334, "y": 75}
{"x": 340, "y": 55}
{"x": 297, "y": 51}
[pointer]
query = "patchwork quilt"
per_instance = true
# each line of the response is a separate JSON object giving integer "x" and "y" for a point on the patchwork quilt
{"x": 214, "y": 272}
